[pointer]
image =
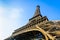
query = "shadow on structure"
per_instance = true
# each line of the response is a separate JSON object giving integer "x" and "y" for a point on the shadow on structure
{"x": 32, "y": 35}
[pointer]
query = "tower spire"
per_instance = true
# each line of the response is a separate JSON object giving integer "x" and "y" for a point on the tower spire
{"x": 37, "y": 12}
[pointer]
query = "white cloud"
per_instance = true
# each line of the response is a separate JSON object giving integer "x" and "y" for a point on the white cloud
{"x": 9, "y": 20}
{"x": 15, "y": 13}
{"x": 2, "y": 10}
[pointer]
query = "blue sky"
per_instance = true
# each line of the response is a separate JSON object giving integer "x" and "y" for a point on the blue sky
{"x": 16, "y": 13}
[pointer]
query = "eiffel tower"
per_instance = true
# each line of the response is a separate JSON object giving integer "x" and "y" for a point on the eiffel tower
{"x": 38, "y": 28}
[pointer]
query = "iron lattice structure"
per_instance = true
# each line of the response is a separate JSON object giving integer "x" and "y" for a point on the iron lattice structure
{"x": 36, "y": 25}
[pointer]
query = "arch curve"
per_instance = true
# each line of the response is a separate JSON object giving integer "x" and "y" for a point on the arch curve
{"x": 46, "y": 38}
{"x": 29, "y": 30}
